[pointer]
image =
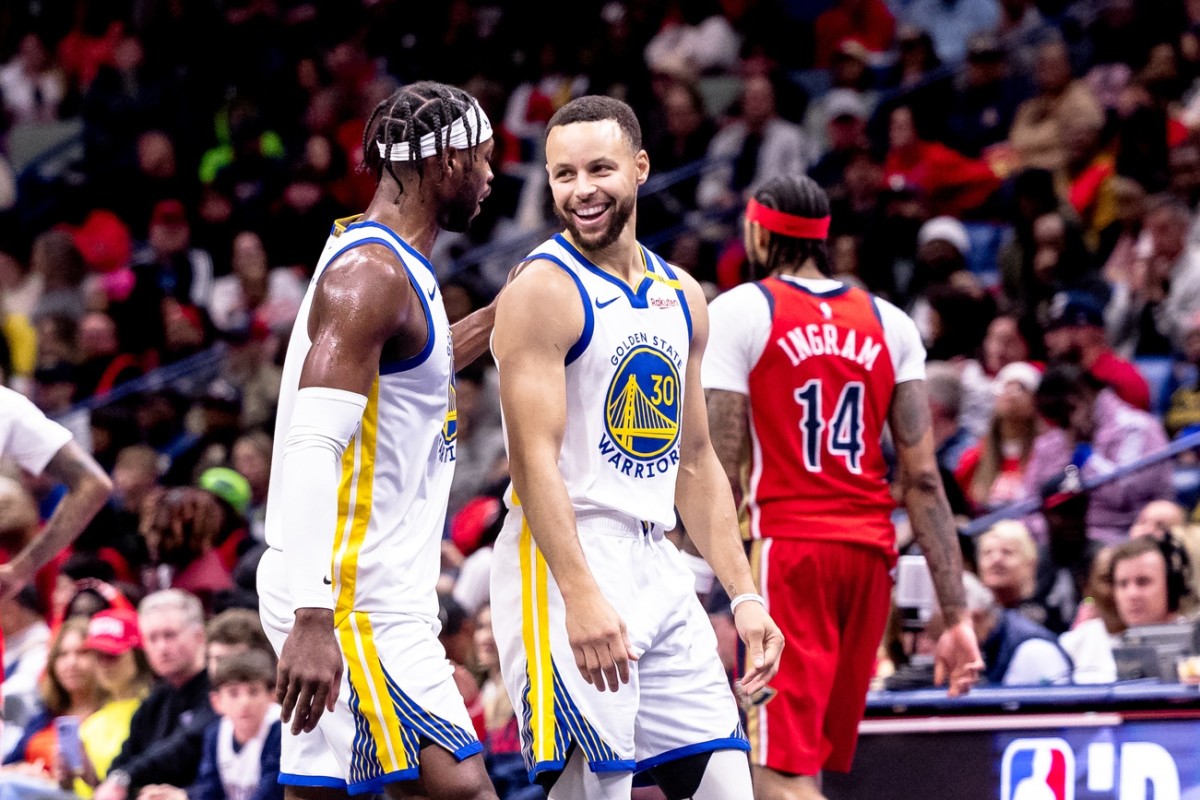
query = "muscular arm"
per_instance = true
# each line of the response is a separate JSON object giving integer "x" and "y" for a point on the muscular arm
{"x": 531, "y": 351}
{"x": 471, "y": 334}
{"x": 362, "y": 300}
{"x": 923, "y": 496}
{"x": 538, "y": 320}
{"x": 88, "y": 489}
{"x": 702, "y": 491}
{"x": 729, "y": 429}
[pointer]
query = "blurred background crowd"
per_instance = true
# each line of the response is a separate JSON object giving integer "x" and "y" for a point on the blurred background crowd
{"x": 1021, "y": 176}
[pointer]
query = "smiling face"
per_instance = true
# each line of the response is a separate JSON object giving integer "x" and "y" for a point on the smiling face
{"x": 594, "y": 176}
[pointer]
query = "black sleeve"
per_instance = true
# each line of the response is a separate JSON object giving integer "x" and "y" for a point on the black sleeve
{"x": 175, "y": 760}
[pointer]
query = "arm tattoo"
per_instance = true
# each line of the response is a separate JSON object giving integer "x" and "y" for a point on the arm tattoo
{"x": 729, "y": 430}
{"x": 924, "y": 496}
{"x": 87, "y": 491}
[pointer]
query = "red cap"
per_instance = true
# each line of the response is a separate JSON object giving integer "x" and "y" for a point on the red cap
{"x": 113, "y": 632}
{"x": 472, "y": 522}
{"x": 168, "y": 212}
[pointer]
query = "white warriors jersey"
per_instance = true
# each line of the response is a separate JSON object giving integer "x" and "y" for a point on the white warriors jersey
{"x": 625, "y": 379}
{"x": 397, "y": 469}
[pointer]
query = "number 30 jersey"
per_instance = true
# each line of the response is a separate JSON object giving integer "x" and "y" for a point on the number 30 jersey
{"x": 625, "y": 379}
{"x": 819, "y": 361}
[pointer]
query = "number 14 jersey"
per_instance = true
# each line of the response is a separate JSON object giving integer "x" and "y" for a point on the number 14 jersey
{"x": 819, "y": 361}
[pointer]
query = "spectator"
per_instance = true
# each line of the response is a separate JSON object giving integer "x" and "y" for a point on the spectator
{"x": 760, "y": 144}
{"x": 1016, "y": 651}
{"x": 992, "y": 470}
{"x": 124, "y": 676}
{"x": 172, "y": 626}
{"x": 682, "y": 140}
{"x": 868, "y": 23}
{"x": 31, "y": 84}
{"x": 843, "y": 117}
{"x": 1150, "y": 579}
{"x": 26, "y": 648}
{"x": 1151, "y": 309}
{"x": 1157, "y": 519}
{"x": 241, "y": 747}
{"x": 479, "y": 447}
{"x": 103, "y": 366}
{"x": 1038, "y": 128}
{"x": 473, "y": 532}
{"x": 234, "y": 631}
{"x": 952, "y": 184}
{"x": 68, "y": 688}
{"x": 252, "y": 460}
{"x": 1184, "y": 409}
{"x": 1007, "y": 340}
{"x": 1075, "y": 333}
{"x": 58, "y": 264}
{"x": 501, "y": 739}
{"x": 945, "y": 400}
{"x": 1096, "y": 432}
{"x": 696, "y": 36}
{"x": 1064, "y": 561}
{"x": 952, "y": 22}
{"x": 1008, "y": 566}
{"x": 986, "y": 100}
{"x": 255, "y": 291}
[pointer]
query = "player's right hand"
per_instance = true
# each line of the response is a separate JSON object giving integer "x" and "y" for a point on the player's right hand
{"x": 310, "y": 670}
{"x": 598, "y": 639}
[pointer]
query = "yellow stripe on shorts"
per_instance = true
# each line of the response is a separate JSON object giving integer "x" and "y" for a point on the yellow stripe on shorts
{"x": 354, "y": 629}
{"x": 753, "y": 732}
{"x": 535, "y": 626}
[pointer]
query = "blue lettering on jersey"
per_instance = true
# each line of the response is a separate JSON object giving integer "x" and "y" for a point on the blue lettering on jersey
{"x": 642, "y": 410}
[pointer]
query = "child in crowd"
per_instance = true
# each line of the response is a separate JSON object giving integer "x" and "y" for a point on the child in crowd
{"x": 241, "y": 748}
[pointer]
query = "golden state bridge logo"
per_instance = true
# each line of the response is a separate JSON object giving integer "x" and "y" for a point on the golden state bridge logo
{"x": 450, "y": 427}
{"x": 642, "y": 411}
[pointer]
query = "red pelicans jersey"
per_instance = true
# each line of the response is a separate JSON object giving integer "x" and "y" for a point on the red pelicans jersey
{"x": 819, "y": 361}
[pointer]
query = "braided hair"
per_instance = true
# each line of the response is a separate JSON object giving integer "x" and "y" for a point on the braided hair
{"x": 803, "y": 197}
{"x": 411, "y": 113}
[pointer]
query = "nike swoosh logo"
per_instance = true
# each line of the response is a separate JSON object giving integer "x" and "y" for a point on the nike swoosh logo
{"x": 433, "y": 293}
{"x": 327, "y": 582}
{"x": 606, "y": 302}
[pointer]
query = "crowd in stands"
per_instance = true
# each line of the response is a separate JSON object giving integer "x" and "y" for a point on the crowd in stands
{"x": 1021, "y": 176}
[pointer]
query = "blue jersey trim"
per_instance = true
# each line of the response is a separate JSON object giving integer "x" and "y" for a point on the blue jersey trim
{"x": 683, "y": 303}
{"x": 375, "y": 784}
{"x": 636, "y": 299}
{"x": 289, "y": 779}
{"x": 546, "y": 766}
{"x": 589, "y": 316}
{"x": 412, "y": 251}
{"x": 836, "y": 292}
{"x": 875, "y": 308}
{"x": 726, "y": 743}
{"x": 420, "y": 358}
{"x": 770, "y": 298}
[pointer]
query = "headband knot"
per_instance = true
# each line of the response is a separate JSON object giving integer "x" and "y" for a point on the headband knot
{"x": 787, "y": 224}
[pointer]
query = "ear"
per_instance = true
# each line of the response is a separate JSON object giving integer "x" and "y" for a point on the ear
{"x": 758, "y": 238}
{"x": 641, "y": 162}
{"x": 214, "y": 697}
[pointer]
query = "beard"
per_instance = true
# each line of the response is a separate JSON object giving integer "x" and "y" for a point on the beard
{"x": 622, "y": 210}
{"x": 456, "y": 216}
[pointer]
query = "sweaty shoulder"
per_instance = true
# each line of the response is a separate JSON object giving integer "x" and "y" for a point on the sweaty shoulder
{"x": 366, "y": 285}
{"x": 903, "y": 341}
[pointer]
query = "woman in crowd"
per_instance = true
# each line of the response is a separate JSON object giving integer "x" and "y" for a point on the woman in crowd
{"x": 124, "y": 676}
{"x": 68, "y": 689}
{"x": 991, "y": 472}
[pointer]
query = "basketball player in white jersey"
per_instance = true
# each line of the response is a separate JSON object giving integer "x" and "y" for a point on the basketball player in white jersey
{"x": 607, "y": 655}
{"x": 365, "y": 440}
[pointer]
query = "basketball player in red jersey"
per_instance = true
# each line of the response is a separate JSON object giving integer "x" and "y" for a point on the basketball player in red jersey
{"x": 802, "y": 373}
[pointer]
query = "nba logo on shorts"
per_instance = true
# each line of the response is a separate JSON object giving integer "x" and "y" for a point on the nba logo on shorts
{"x": 1038, "y": 769}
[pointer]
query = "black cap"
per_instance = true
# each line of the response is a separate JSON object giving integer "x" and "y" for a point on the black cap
{"x": 1075, "y": 309}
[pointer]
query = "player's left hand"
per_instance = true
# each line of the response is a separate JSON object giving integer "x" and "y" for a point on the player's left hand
{"x": 764, "y": 644}
{"x": 956, "y": 658}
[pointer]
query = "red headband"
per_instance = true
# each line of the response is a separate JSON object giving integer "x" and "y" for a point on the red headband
{"x": 787, "y": 224}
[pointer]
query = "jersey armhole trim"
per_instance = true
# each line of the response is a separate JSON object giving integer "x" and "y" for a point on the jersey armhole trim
{"x": 683, "y": 303}
{"x": 762, "y": 287}
{"x": 585, "y": 336}
{"x": 875, "y": 309}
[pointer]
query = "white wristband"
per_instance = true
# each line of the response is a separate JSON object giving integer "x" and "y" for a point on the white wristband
{"x": 747, "y": 597}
